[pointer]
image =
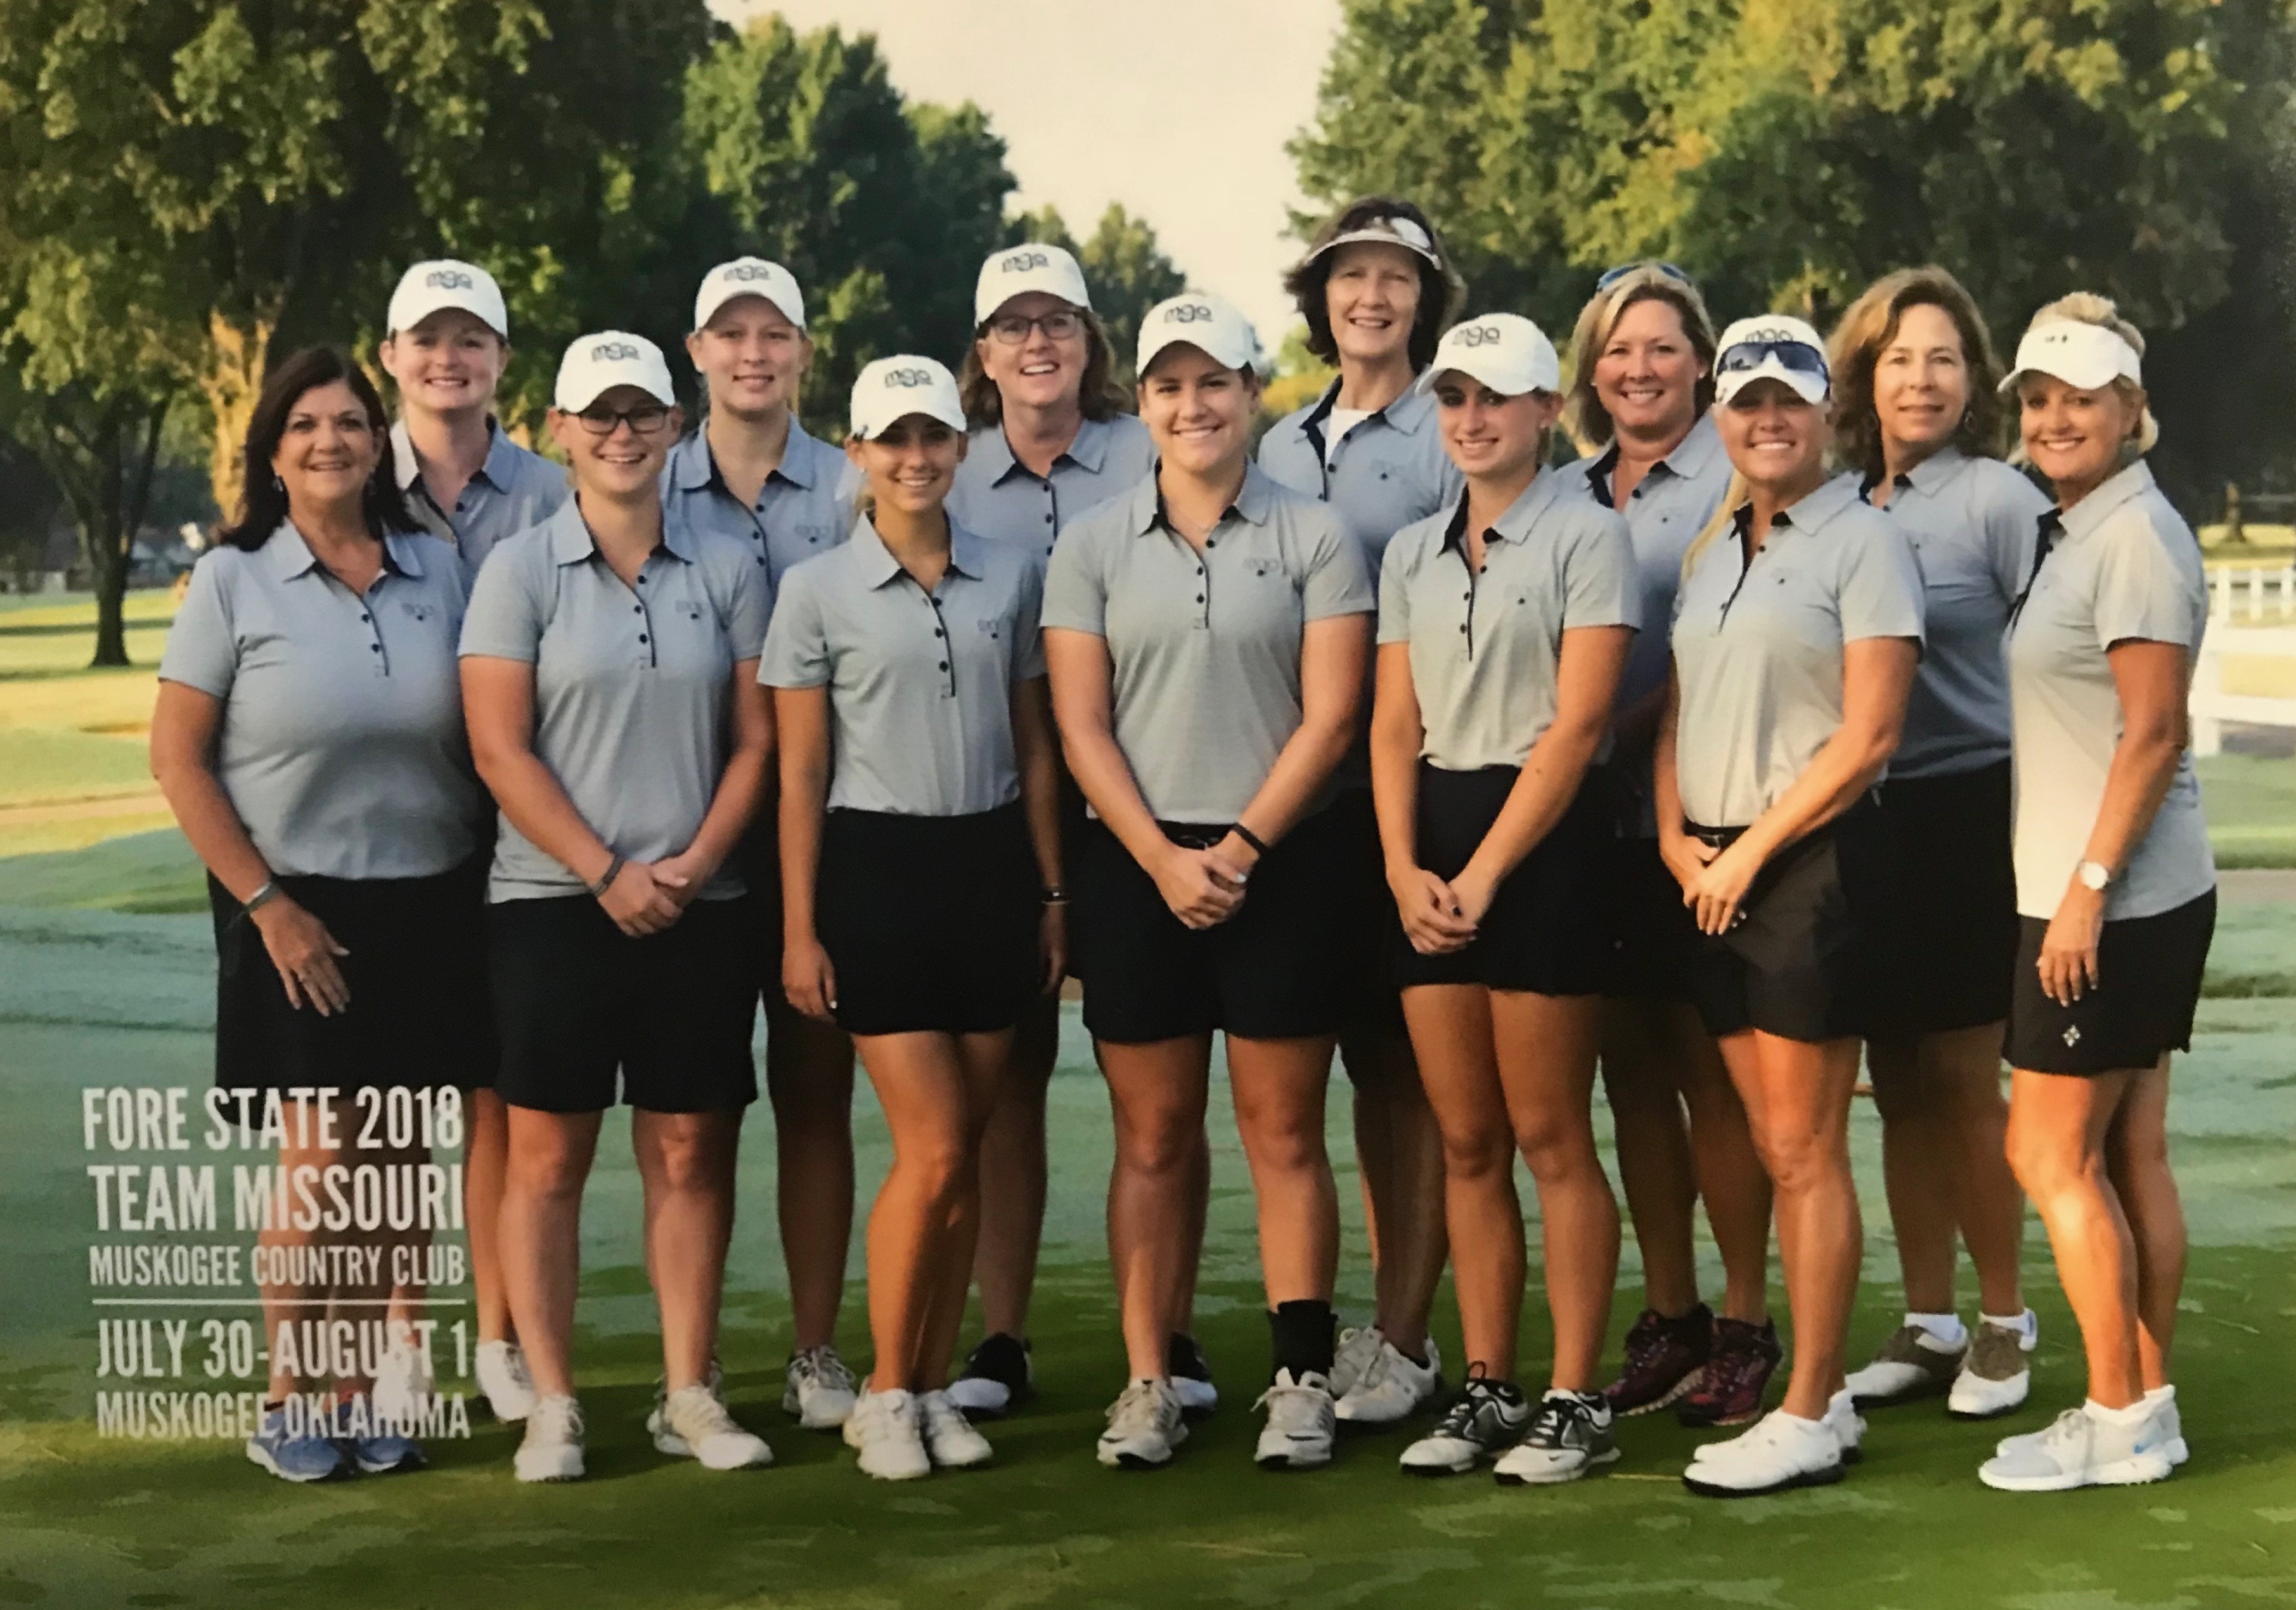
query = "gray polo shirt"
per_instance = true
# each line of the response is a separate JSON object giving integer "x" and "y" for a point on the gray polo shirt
{"x": 1757, "y": 647}
{"x": 1003, "y": 499}
{"x": 920, "y": 684}
{"x": 2123, "y": 567}
{"x": 631, "y": 684}
{"x": 1385, "y": 473}
{"x": 1204, "y": 648}
{"x": 1668, "y": 507}
{"x": 341, "y": 746}
{"x": 805, "y": 506}
{"x": 1971, "y": 522}
{"x": 1485, "y": 649}
{"x": 513, "y": 490}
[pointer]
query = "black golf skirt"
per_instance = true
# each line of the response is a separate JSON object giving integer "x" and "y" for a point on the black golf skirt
{"x": 2148, "y": 987}
{"x": 1950, "y": 945}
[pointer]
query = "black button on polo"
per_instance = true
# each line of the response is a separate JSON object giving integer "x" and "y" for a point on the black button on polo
{"x": 374, "y": 648}
{"x": 938, "y": 632}
{"x": 638, "y": 608}
{"x": 642, "y": 636}
{"x": 943, "y": 665}
{"x": 641, "y": 579}
{"x": 364, "y": 616}
{"x": 1211, "y": 542}
{"x": 1048, "y": 519}
{"x": 1200, "y": 597}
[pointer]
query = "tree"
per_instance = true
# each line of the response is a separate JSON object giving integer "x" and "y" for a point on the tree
{"x": 1125, "y": 270}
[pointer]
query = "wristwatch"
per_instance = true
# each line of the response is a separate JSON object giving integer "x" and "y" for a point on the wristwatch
{"x": 2093, "y": 875}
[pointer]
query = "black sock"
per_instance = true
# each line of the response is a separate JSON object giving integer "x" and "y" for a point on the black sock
{"x": 1303, "y": 1333}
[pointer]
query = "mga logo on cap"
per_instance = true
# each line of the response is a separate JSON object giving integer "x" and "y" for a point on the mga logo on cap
{"x": 748, "y": 271}
{"x": 1761, "y": 334}
{"x": 1480, "y": 336}
{"x": 1020, "y": 262}
{"x": 1187, "y": 313}
{"x": 614, "y": 352}
{"x": 907, "y": 377}
{"x": 448, "y": 279}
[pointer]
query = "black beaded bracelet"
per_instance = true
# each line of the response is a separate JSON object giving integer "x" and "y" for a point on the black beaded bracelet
{"x": 1249, "y": 837}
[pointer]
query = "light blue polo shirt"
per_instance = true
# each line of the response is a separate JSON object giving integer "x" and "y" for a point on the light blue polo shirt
{"x": 1387, "y": 471}
{"x": 513, "y": 490}
{"x": 1971, "y": 522}
{"x": 1668, "y": 507}
{"x": 920, "y": 684}
{"x": 1486, "y": 649}
{"x": 2122, "y": 566}
{"x": 805, "y": 506}
{"x": 1003, "y": 499}
{"x": 1758, "y": 646}
{"x": 341, "y": 746}
{"x": 631, "y": 684}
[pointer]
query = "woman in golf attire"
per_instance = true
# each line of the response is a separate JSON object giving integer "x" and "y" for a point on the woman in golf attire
{"x": 610, "y": 678}
{"x": 1796, "y": 633}
{"x": 922, "y": 865}
{"x": 1639, "y": 405}
{"x": 1049, "y": 439}
{"x": 752, "y": 473}
{"x": 1504, "y": 624}
{"x": 2115, "y": 889}
{"x": 445, "y": 343}
{"x": 1207, "y": 635}
{"x": 1916, "y": 420}
{"x": 308, "y": 737}
{"x": 1375, "y": 292}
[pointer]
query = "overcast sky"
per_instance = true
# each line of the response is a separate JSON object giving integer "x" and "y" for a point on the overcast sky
{"x": 1179, "y": 109}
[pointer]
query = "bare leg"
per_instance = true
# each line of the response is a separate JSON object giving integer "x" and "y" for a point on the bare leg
{"x": 2136, "y": 1159}
{"x": 1279, "y": 1086}
{"x": 1919, "y": 1151}
{"x": 550, "y": 1156}
{"x": 1013, "y": 1174}
{"x": 1399, "y": 1151}
{"x": 1547, "y": 1048}
{"x": 1943, "y": 1152}
{"x": 1797, "y": 1098}
{"x": 1653, "y": 1137}
{"x": 1157, "y": 1092}
{"x": 685, "y": 1161}
{"x": 2057, "y": 1129}
{"x": 1452, "y": 1032}
{"x": 809, "y": 1080}
{"x": 984, "y": 1059}
{"x": 486, "y": 1157}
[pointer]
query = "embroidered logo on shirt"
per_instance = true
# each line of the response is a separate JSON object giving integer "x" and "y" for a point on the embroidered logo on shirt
{"x": 2072, "y": 1036}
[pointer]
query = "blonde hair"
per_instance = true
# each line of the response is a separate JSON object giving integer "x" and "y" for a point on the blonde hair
{"x": 1584, "y": 417}
{"x": 2087, "y": 307}
{"x": 1870, "y": 325}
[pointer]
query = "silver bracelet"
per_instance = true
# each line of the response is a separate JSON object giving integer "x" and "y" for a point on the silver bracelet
{"x": 261, "y": 898}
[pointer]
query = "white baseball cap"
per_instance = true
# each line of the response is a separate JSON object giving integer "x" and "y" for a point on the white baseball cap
{"x": 442, "y": 283}
{"x": 1019, "y": 269}
{"x": 2083, "y": 355}
{"x": 1772, "y": 346}
{"x": 890, "y": 389}
{"x": 1393, "y": 231}
{"x": 749, "y": 276}
{"x": 1503, "y": 350}
{"x": 595, "y": 364}
{"x": 1203, "y": 322}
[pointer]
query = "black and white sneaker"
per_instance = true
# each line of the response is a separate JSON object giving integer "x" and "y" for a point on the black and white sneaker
{"x": 1485, "y": 1419}
{"x": 1570, "y": 1435}
{"x": 998, "y": 1377}
{"x": 1191, "y": 1376}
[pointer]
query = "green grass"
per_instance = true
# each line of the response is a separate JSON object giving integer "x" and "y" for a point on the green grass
{"x": 89, "y": 997}
{"x": 2251, "y": 803}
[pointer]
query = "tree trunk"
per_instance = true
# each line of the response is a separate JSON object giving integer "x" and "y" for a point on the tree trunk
{"x": 131, "y": 456}
{"x": 238, "y": 355}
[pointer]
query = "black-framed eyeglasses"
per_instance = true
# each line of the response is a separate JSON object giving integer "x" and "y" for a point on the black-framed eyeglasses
{"x": 1799, "y": 356}
{"x": 1011, "y": 329}
{"x": 643, "y": 420}
{"x": 1612, "y": 276}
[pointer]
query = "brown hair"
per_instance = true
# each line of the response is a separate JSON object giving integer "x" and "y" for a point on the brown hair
{"x": 1098, "y": 396}
{"x": 1440, "y": 288}
{"x": 2087, "y": 307}
{"x": 1869, "y": 326}
{"x": 263, "y": 501}
{"x": 1584, "y": 416}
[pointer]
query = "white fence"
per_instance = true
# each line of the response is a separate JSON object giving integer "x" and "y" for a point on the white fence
{"x": 2253, "y": 592}
{"x": 2210, "y": 706}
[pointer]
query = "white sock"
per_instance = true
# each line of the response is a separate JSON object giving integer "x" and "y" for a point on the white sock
{"x": 2026, "y": 1325}
{"x": 2135, "y": 1414}
{"x": 2160, "y": 1395}
{"x": 1944, "y": 1332}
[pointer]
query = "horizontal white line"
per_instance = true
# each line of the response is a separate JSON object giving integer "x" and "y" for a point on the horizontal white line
{"x": 279, "y": 1301}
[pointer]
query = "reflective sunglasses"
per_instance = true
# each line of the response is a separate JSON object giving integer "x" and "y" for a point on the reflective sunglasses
{"x": 1612, "y": 276}
{"x": 1799, "y": 356}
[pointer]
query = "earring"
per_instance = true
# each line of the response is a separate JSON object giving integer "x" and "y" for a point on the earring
{"x": 277, "y": 485}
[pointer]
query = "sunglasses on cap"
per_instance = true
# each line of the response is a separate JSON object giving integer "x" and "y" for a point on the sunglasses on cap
{"x": 1612, "y": 276}
{"x": 1800, "y": 356}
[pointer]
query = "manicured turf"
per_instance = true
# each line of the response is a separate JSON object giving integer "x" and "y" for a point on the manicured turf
{"x": 100, "y": 997}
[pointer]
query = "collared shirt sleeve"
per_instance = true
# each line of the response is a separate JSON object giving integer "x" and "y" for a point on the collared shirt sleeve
{"x": 1029, "y": 639}
{"x": 1337, "y": 582}
{"x": 1881, "y": 594}
{"x": 796, "y": 643}
{"x": 1601, "y": 585}
{"x": 1076, "y": 586}
{"x": 202, "y": 651}
{"x": 1395, "y": 578}
{"x": 2141, "y": 595}
{"x": 750, "y": 609}
{"x": 506, "y": 617}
